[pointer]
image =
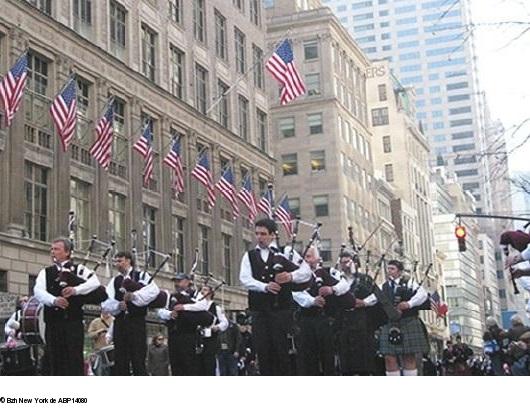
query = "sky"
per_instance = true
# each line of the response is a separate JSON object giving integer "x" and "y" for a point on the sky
{"x": 504, "y": 68}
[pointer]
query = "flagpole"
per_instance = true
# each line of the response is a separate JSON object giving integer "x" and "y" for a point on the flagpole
{"x": 252, "y": 68}
{"x": 91, "y": 121}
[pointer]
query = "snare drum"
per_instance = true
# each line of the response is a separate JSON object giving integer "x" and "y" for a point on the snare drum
{"x": 16, "y": 361}
{"x": 32, "y": 323}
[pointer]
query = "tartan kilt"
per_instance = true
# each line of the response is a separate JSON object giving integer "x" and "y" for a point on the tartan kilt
{"x": 414, "y": 338}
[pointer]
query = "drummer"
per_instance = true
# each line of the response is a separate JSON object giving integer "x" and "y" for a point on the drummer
{"x": 12, "y": 326}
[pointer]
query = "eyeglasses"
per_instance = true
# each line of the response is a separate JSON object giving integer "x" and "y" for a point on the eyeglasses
{"x": 160, "y": 339}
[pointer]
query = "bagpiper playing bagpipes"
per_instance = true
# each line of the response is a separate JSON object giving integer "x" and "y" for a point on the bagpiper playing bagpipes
{"x": 186, "y": 315}
{"x": 63, "y": 288}
{"x": 269, "y": 295}
{"x": 403, "y": 338}
{"x": 130, "y": 293}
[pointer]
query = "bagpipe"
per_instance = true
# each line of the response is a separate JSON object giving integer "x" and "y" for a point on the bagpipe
{"x": 68, "y": 275}
{"x": 281, "y": 264}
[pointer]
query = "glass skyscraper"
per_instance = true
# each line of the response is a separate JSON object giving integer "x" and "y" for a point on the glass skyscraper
{"x": 430, "y": 46}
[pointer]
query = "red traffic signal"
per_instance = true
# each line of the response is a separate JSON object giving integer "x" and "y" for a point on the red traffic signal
{"x": 460, "y": 232}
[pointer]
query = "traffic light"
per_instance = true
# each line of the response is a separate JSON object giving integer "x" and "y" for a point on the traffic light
{"x": 460, "y": 233}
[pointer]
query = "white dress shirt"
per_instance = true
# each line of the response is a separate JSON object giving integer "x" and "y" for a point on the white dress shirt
{"x": 141, "y": 297}
{"x": 369, "y": 301}
{"x": 202, "y": 304}
{"x": 223, "y": 322}
{"x": 306, "y": 300}
{"x": 12, "y": 324}
{"x": 301, "y": 275}
{"x": 419, "y": 298}
{"x": 44, "y": 297}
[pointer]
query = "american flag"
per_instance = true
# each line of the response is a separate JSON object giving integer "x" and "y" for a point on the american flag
{"x": 283, "y": 215}
{"x": 101, "y": 150}
{"x": 174, "y": 161}
{"x": 203, "y": 174}
{"x": 227, "y": 188}
{"x": 144, "y": 146}
{"x": 265, "y": 203}
{"x": 12, "y": 87}
{"x": 64, "y": 112}
{"x": 281, "y": 66}
{"x": 246, "y": 195}
{"x": 437, "y": 305}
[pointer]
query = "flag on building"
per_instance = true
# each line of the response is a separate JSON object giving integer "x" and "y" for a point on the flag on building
{"x": 227, "y": 188}
{"x": 101, "y": 150}
{"x": 64, "y": 112}
{"x": 265, "y": 203}
{"x": 437, "y": 305}
{"x": 246, "y": 196}
{"x": 203, "y": 174}
{"x": 144, "y": 146}
{"x": 282, "y": 67}
{"x": 12, "y": 88}
{"x": 174, "y": 160}
{"x": 284, "y": 216}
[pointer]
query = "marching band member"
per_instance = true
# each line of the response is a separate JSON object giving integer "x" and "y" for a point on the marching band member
{"x": 317, "y": 349}
{"x": 269, "y": 301}
{"x": 64, "y": 316}
{"x": 210, "y": 338}
{"x": 406, "y": 337}
{"x": 12, "y": 326}
{"x": 357, "y": 346}
{"x": 182, "y": 326}
{"x": 130, "y": 310}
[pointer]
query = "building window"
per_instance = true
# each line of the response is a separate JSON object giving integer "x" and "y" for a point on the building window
{"x": 204, "y": 253}
{"x": 310, "y": 50}
{"x": 148, "y": 52}
{"x": 43, "y": 5}
{"x": 243, "y": 117}
{"x": 80, "y": 204}
{"x": 117, "y": 219}
{"x": 320, "y": 203}
{"x": 120, "y": 143}
{"x": 312, "y": 83}
{"x": 241, "y": 65}
{"x": 286, "y": 127}
{"x": 290, "y": 164}
{"x": 199, "y": 21}
{"x": 294, "y": 206}
{"x": 389, "y": 173}
{"x": 240, "y": 4}
{"x": 379, "y": 116}
{"x": 227, "y": 258}
{"x": 201, "y": 84}
{"x": 387, "y": 147}
{"x": 318, "y": 161}
{"x": 220, "y": 36}
{"x": 257, "y": 61}
{"x": 254, "y": 11}
{"x": 177, "y": 72}
{"x": 381, "y": 89}
{"x": 149, "y": 234}
{"x": 117, "y": 26}
{"x": 37, "y": 74}
{"x": 261, "y": 120}
{"x": 315, "y": 124}
{"x": 179, "y": 243}
{"x": 175, "y": 12}
{"x": 36, "y": 209}
{"x": 325, "y": 250}
{"x": 3, "y": 281}
{"x": 83, "y": 97}
{"x": 82, "y": 16}
{"x": 223, "y": 108}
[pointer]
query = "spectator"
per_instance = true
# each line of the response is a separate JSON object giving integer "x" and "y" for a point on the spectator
{"x": 229, "y": 341}
{"x": 158, "y": 357}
